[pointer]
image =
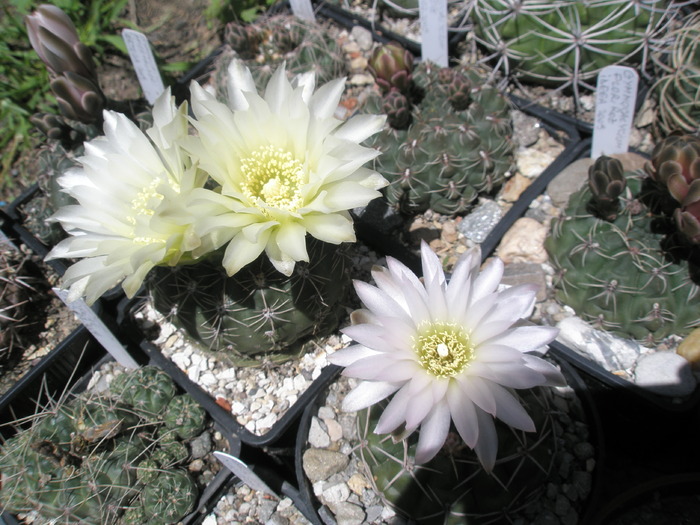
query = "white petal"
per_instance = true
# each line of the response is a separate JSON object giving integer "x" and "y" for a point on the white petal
{"x": 368, "y": 393}
{"x": 512, "y": 375}
{"x": 421, "y": 405}
{"x": 463, "y": 414}
{"x": 525, "y": 338}
{"x": 347, "y": 356}
{"x": 240, "y": 251}
{"x": 552, "y": 374}
{"x": 360, "y": 127}
{"x": 325, "y": 101}
{"x": 488, "y": 280}
{"x": 278, "y": 91}
{"x": 332, "y": 228}
{"x": 381, "y": 367}
{"x": 478, "y": 391}
{"x": 395, "y": 412}
{"x": 291, "y": 240}
{"x": 510, "y": 411}
{"x": 433, "y": 433}
{"x": 379, "y": 302}
{"x": 487, "y": 445}
{"x": 239, "y": 80}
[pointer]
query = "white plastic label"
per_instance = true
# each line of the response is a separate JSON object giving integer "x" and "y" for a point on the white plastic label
{"x": 98, "y": 329}
{"x": 616, "y": 93}
{"x": 144, "y": 63}
{"x": 433, "y": 30}
{"x": 303, "y": 9}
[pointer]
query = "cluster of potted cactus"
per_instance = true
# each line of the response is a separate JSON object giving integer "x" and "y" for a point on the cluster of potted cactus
{"x": 233, "y": 215}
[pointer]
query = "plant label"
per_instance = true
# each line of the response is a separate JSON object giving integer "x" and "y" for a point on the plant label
{"x": 244, "y": 473}
{"x": 433, "y": 30}
{"x": 144, "y": 63}
{"x": 98, "y": 329}
{"x": 303, "y": 9}
{"x": 616, "y": 94}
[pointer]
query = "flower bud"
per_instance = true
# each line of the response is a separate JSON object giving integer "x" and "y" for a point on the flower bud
{"x": 392, "y": 67}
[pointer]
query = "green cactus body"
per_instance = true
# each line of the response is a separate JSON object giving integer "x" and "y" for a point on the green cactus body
{"x": 97, "y": 459}
{"x": 447, "y": 157}
{"x": 567, "y": 42}
{"x": 268, "y": 42}
{"x": 170, "y": 496}
{"x": 258, "y": 313}
{"x": 679, "y": 82}
{"x": 452, "y": 488}
{"x": 617, "y": 274}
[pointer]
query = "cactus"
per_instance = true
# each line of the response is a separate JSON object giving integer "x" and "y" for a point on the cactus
{"x": 566, "y": 43}
{"x": 457, "y": 145}
{"x": 263, "y": 46}
{"x": 625, "y": 275}
{"x": 675, "y": 166}
{"x": 22, "y": 294}
{"x": 678, "y": 82}
{"x": 258, "y": 313}
{"x": 106, "y": 458}
{"x": 453, "y": 487}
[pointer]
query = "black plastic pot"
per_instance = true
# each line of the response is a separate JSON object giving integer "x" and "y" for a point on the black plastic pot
{"x": 323, "y": 516}
{"x": 67, "y": 370}
{"x": 668, "y": 500}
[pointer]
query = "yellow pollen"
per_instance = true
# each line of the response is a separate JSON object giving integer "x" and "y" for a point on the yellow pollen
{"x": 443, "y": 349}
{"x": 143, "y": 207}
{"x": 272, "y": 177}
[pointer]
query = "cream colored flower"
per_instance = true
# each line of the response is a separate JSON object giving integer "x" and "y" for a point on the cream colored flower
{"x": 130, "y": 216}
{"x": 285, "y": 165}
{"x": 448, "y": 352}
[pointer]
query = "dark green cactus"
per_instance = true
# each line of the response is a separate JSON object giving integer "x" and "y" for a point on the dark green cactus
{"x": 453, "y": 488}
{"x": 624, "y": 275}
{"x": 258, "y": 313}
{"x": 565, "y": 42}
{"x": 458, "y": 144}
{"x": 268, "y": 42}
{"x": 185, "y": 417}
{"x": 98, "y": 459}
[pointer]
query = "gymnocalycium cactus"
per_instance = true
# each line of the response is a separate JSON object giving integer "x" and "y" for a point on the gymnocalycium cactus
{"x": 258, "y": 313}
{"x": 565, "y": 42}
{"x": 625, "y": 272}
{"x": 269, "y": 41}
{"x": 99, "y": 459}
{"x": 448, "y": 138}
{"x": 678, "y": 82}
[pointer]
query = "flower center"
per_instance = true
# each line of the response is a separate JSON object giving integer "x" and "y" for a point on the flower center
{"x": 273, "y": 177}
{"x": 443, "y": 349}
{"x": 142, "y": 209}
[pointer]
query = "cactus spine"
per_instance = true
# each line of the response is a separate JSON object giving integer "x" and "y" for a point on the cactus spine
{"x": 102, "y": 459}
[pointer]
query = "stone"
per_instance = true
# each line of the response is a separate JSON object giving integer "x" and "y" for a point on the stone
{"x": 357, "y": 483}
{"x": 526, "y": 273}
{"x": 526, "y": 129}
{"x": 363, "y": 37}
{"x": 478, "y": 224}
{"x": 320, "y": 464}
{"x": 570, "y": 180}
{"x": 335, "y": 431}
{"x": 631, "y": 161}
{"x": 336, "y": 494}
{"x": 348, "y": 513}
{"x": 665, "y": 373}
{"x": 524, "y": 242}
{"x": 200, "y": 446}
{"x": 610, "y": 352}
{"x": 317, "y": 435}
{"x": 690, "y": 347}
{"x": 514, "y": 187}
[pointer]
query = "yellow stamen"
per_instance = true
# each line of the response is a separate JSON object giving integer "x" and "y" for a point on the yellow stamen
{"x": 273, "y": 177}
{"x": 443, "y": 349}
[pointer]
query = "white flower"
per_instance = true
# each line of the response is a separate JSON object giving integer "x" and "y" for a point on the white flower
{"x": 285, "y": 165}
{"x": 131, "y": 190}
{"x": 447, "y": 351}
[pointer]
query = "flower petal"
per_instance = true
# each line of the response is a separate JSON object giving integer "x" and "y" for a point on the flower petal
{"x": 525, "y": 338}
{"x": 463, "y": 414}
{"x": 368, "y": 393}
{"x": 487, "y": 445}
{"x": 433, "y": 433}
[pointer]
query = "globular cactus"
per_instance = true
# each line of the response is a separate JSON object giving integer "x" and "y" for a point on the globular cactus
{"x": 675, "y": 166}
{"x": 106, "y": 458}
{"x": 456, "y": 145}
{"x": 269, "y": 41}
{"x": 625, "y": 274}
{"x": 453, "y": 488}
{"x": 565, "y": 42}
{"x": 22, "y": 293}
{"x": 677, "y": 89}
{"x": 258, "y": 313}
